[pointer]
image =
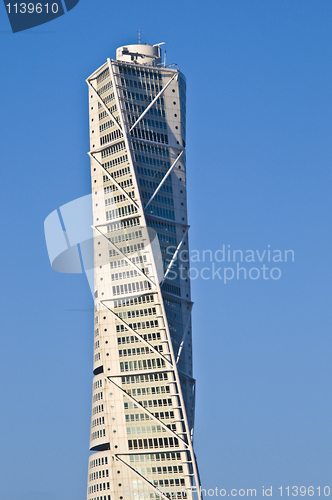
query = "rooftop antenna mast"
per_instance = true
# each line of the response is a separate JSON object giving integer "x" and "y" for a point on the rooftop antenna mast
{"x": 139, "y": 37}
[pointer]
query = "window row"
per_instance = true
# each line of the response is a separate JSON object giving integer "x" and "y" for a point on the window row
{"x": 149, "y": 390}
{"x": 154, "y": 403}
{"x": 150, "y": 149}
{"x": 129, "y": 70}
{"x": 165, "y": 415}
{"x": 140, "y": 417}
{"x": 132, "y": 338}
{"x": 139, "y": 286}
{"x": 154, "y": 123}
{"x": 149, "y": 135}
{"x": 156, "y": 457}
{"x": 128, "y": 274}
{"x": 98, "y": 383}
{"x": 115, "y": 148}
{"x": 144, "y": 324}
{"x": 145, "y": 98}
{"x": 173, "y": 289}
{"x": 116, "y": 226}
{"x": 160, "y": 470}
{"x": 105, "y": 88}
{"x": 162, "y": 226}
{"x": 147, "y": 121}
{"x": 158, "y": 198}
{"x": 103, "y": 75}
{"x": 147, "y": 183}
{"x": 115, "y": 162}
{"x": 166, "y": 238}
{"x": 111, "y": 136}
{"x": 175, "y": 329}
{"x": 169, "y": 482}
{"x": 108, "y": 98}
{"x": 139, "y": 351}
{"x": 102, "y": 115}
{"x": 128, "y": 249}
{"x": 110, "y": 189}
{"x": 145, "y": 444}
{"x": 132, "y": 417}
{"x": 118, "y": 199}
{"x": 144, "y": 299}
{"x": 154, "y": 110}
{"x": 97, "y": 462}
{"x": 149, "y": 377}
{"x": 124, "y": 184}
{"x": 98, "y": 421}
{"x": 97, "y": 397}
{"x": 142, "y": 364}
{"x": 118, "y": 173}
{"x": 123, "y": 263}
{"x": 99, "y": 474}
{"x": 173, "y": 304}
{"x": 106, "y": 125}
{"x": 138, "y": 312}
{"x": 112, "y": 108}
{"x": 97, "y": 409}
{"x": 108, "y": 497}
{"x": 140, "y": 85}
{"x": 125, "y": 237}
{"x": 97, "y": 434}
{"x": 161, "y": 212}
{"x": 121, "y": 212}
{"x": 99, "y": 487}
{"x": 149, "y": 429}
{"x": 136, "y": 96}
{"x": 156, "y": 174}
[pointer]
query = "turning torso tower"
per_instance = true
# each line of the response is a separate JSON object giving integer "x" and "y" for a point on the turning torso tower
{"x": 143, "y": 387}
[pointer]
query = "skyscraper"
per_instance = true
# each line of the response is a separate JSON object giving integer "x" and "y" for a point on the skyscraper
{"x": 143, "y": 387}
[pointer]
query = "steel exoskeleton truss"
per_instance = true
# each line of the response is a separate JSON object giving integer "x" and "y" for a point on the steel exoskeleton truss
{"x": 170, "y": 358}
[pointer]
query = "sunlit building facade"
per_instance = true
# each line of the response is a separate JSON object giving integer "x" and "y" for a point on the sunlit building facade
{"x": 143, "y": 387}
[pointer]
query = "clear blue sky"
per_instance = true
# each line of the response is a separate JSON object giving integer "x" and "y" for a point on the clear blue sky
{"x": 259, "y": 153}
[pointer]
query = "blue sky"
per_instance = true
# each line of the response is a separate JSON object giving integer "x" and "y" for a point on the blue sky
{"x": 259, "y": 150}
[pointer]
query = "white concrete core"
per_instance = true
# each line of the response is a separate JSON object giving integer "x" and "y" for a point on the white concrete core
{"x": 139, "y": 53}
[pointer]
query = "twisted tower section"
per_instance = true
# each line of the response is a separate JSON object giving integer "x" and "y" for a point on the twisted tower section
{"x": 143, "y": 386}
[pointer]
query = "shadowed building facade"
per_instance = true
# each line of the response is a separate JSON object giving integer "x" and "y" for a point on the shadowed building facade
{"x": 143, "y": 386}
